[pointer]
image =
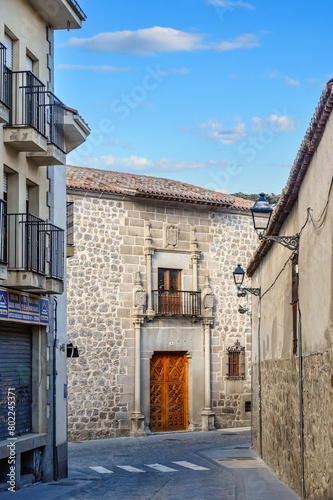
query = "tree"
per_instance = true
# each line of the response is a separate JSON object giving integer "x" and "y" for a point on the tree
{"x": 271, "y": 198}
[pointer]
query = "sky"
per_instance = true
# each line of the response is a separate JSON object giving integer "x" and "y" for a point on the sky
{"x": 216, "y": 93}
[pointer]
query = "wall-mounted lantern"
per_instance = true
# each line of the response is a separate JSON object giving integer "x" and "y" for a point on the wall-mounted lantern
{"x": 239, "y": 275}
{"x": 261, "y": 215}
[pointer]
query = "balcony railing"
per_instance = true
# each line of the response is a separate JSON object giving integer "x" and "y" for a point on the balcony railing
{"x": 177, "y": 303}
{"x": 3, "y": 232}
{"x": 78, "y": 9}
{"x": 70, "y": 223}
{"x": 26, "y": 243}
{"x": 5, "y": 78}
{"x": 56, "y": 251}
{"x": 28, "y": 101}
{"x": 34, "y": 106}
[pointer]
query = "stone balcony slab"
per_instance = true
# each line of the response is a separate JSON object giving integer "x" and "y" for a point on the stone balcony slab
{"x": 25, "y": 139}
{"x": 52, "y": 156}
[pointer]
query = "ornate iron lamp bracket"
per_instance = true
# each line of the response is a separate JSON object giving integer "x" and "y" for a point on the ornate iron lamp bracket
{"x": 290, "y": 242}
{"x": 254, "y": 291}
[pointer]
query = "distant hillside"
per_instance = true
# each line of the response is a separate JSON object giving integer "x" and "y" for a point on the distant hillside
{"x": 271, "y": 198}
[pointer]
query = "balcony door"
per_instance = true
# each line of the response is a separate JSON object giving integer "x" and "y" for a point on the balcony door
{"x": 169, "y": 295}
{"x": 168, "y": 391}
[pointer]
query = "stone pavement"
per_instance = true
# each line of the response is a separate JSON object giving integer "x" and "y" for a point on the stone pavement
{"x": 239, "y": 470}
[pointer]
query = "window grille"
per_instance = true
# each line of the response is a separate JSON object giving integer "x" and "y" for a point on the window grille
{"x": 236, "y": 361}
{"x": 70, "y": 223}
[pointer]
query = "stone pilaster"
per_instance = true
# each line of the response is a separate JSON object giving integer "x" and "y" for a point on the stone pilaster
{"x": 137, "y": 419}
{"x": 149, "y": 251}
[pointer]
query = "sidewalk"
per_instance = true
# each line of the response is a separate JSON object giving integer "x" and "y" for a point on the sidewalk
{"x": 250, "y": 477}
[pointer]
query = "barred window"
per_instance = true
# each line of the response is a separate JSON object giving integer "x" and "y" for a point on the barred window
{"x": 236, "y": 361}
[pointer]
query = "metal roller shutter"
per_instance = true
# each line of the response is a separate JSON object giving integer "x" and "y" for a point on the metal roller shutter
{"x": 15, "y": 372}
{"x": 8, "y": 43}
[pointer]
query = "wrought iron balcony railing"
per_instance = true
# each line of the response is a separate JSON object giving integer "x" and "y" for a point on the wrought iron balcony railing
{"x": 35, "y": 245}
{"x": 177, "y": 303}
{"x": 70, "y": 223}
{"x": 33, "y": 106}
{"x": 3, "y": 231}
{"x": 5, "y": 78}
{"x": 56, "y": 251}
{"x": 28, "y": 101}
{"x": 26, "y": 243}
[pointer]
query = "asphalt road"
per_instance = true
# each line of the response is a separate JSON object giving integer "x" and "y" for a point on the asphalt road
{"x": 170, "y": 466}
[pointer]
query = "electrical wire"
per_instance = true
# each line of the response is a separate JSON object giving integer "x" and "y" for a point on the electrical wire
{"x": 324, "y": 212}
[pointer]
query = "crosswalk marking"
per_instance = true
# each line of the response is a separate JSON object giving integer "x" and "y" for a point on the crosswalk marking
{"x": 161, "y": 468}
{"x": 188, "y": 465}
{"x": 129, "y": 468}
{"x": 101, "y": 470}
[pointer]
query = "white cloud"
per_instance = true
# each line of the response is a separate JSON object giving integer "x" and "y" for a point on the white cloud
{"x": 230, "y": 4}
{"x": 247, "y": 41}
{"x": 149, "y": 41}
{"x": 102, "y": 69}
{"x": 273, "y": 122}
{"x": 216, "y": 131}
{"x": 292, "y": 83}
{"x": 135, "y": 163}
{"x": 175, "y": 71}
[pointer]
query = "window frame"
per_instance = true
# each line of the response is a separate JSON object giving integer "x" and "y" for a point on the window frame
{"x": 236, "y": 362}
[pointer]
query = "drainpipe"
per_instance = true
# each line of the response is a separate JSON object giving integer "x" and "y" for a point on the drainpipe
{"x": 259, "y": 366}
{"x": 301, "y": 415}
{"x": 55, "y": 451}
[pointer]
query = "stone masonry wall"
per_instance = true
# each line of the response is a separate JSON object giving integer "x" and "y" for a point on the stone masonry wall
{"x": 109, "y": 250}
{"x": 94, "y": 279}
{"x": 318, "y": 426}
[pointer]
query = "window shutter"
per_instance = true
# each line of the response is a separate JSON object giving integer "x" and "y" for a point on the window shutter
{"x": 8, "y": 43}
{"x": 29, "y": 64}
{"x": 5, "y": 182}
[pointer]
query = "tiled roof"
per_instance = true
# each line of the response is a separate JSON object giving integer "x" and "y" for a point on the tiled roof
{"x": 303, "y": 159}
{"x": 91, "y": 179}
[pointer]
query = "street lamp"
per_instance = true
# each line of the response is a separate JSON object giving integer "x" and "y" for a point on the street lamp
{"x": 261, "y": 215}
{"x": 239, "y": 275}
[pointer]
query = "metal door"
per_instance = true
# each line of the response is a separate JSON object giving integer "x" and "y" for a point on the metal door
{"x": 15, "y": 377}
{"x": 168, "y": 392}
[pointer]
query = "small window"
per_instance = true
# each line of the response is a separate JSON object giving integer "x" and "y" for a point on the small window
{"x": 247, "y": 406}
{"x": 236, "y": 361}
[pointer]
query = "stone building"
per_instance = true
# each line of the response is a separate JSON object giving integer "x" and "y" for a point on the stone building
{"x": 36, "y": 132}
{"x": 293, "y": 321}
{"x": 152, "y": 307}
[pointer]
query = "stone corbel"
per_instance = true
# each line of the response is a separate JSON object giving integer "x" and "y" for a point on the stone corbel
{"x": 208, "y": 299}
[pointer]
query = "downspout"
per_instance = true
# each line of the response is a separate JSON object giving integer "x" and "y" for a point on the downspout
{"x": 55, "y": 451}
{"x": 259, "y": 365}
{"x": 301, "y": 415}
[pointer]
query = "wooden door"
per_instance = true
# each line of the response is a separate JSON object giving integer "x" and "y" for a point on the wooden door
{"x": 168, "y": 392}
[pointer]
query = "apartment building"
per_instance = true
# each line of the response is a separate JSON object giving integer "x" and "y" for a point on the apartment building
{"x": 36, "y": 132}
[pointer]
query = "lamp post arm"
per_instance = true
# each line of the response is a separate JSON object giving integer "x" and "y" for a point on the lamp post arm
{"x": 290, "y": 242}
{"x": 254, "y": 291}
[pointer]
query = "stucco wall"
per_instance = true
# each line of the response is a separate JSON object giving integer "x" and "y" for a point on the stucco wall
{"x": 274, "y": 276}
{"x": 109, "y": 250}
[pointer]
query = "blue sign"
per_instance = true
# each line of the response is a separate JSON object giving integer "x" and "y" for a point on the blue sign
{"x": 19, "y": 306}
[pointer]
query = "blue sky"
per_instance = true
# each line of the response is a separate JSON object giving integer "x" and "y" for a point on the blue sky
{"x": 217, "y": 93}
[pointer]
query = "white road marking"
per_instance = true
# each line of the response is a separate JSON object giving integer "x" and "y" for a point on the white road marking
{"x": 101, "y": 470}
{"x": 188, "y": 465}
{"x": 161, "y": 468}
{"x": 129, "y": 468}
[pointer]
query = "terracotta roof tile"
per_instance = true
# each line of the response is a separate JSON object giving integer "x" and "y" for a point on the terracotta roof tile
{"x": 92, "y": 179}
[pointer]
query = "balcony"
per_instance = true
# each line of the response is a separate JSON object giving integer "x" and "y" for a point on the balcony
{"x": 75, "y": 129}
{"x": 176, "y": 303}
{"x": 5, "y": 82}
{"x": 62, "y": 14}
{"x": 35, "y": 254}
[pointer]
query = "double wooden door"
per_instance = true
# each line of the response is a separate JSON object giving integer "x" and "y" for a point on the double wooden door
{"x": 168, "y": 392}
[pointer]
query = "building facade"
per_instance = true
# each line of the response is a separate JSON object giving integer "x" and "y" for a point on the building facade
{"x": 152, "y": 307}
{"x": 293, "y": 322}
{"x": 36, "y": 132}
